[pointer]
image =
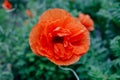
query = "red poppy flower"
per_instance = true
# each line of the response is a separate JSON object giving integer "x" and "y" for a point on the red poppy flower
{"x": 86, "y": 21}
{"x": 29, "y": 13}
{"x": 59, "y": 37}
{"x": 7, "y": 5}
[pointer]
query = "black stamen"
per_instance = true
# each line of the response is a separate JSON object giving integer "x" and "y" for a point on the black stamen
{"x": 58, "y": 39}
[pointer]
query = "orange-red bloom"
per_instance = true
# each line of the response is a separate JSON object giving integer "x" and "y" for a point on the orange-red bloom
{"x": 59, "y": 37}
{"x": 7, "y": 5}
{"x": 86, "y": 21}
{"x": 29, "y": 13}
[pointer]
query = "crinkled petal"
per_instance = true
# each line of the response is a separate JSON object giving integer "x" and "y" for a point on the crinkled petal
{"x": 86, "y": 21}
{"x": 70, "y": 61}
{"x": 38, "y": 41}
{"x": 79, "y": 39}
{"x": 54, "y": 17}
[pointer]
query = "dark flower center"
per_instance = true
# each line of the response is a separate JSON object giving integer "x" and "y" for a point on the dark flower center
{"x": 58, "y": 39}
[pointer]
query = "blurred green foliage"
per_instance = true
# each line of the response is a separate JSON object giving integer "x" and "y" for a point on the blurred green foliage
{"x": 102, "y": 62}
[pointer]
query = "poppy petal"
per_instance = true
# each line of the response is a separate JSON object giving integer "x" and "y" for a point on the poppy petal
{"x": 86, "y": 21}
{"x": 79, "y": 38}
{"x": 70, "y": 61}
{"x": 54, "y": 16}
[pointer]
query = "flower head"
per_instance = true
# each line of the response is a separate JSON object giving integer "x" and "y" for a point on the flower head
{"x": 7, "y": 5}
{"x": 29, "y": 13}
{"x": 86, "y": 21}
{"x": 59, "y": 37}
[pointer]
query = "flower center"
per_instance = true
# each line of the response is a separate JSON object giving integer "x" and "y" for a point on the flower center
{"x": 58, "y": 39}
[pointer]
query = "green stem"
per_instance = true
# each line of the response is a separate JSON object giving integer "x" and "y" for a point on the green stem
{"x": 69, "y": 69}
